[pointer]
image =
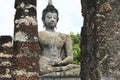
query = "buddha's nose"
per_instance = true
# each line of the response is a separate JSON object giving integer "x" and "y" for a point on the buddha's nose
{"x": 52, "y": 20}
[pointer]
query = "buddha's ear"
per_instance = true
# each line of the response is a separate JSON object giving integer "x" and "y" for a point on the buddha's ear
{"x": 42, "y": 19}
{"x": 57, "y": 19}
{"x": 43, "y": 23}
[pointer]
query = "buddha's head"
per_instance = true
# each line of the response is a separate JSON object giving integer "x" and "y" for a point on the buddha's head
{"x": 50, "y": 15}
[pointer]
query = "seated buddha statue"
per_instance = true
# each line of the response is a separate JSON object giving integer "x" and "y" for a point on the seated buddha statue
{"x": 55, "y": 48}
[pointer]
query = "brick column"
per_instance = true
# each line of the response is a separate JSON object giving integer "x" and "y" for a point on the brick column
{"x": 6, "y": 56}
{"x": 26, "y": 46}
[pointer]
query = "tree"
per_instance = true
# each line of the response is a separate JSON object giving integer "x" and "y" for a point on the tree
{"x": 76, "y": 47}
{"x": 100, "y": 40}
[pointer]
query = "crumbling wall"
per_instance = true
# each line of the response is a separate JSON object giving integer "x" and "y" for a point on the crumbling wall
{"x": 100, "y": 45}
{"x": 6, "y": 58}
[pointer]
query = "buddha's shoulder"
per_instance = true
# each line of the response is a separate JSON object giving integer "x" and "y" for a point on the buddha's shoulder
{"x": 41, "y": 33}
{"x": 63, "y": 35}
{"x": 46, "y": 33}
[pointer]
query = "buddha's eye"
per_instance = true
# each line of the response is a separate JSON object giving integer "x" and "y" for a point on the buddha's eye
{"x": 49, "y": 16}
{"x": 55, "y": 17}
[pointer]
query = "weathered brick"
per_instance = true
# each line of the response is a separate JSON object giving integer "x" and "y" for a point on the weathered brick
{"x": 30, "y": 49}
{"x": 7, "y": 79}
{"x": 5, "y": 39}
{"x": 59, "y": 78}
{"x": 2, "y": 70}
{"x": 25, "y": 78}
{"x": 30, "y": 31}
{"x": 27, "y": 59}
{"x": 30, "y": 64}
{"x": 5, "y": 70}
{"x": 25, "y": 21}
{"x": 6, "y": 58}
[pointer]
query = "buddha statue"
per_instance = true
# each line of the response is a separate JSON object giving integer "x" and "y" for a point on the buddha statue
{"x": 55, "y": 48}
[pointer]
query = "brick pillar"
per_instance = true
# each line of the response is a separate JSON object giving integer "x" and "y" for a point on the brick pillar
{"x": 26, "y": 46}
{"x": 6, "y": 56}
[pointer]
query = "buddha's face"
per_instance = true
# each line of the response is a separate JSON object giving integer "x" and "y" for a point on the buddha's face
{"x": 50, "y": 19}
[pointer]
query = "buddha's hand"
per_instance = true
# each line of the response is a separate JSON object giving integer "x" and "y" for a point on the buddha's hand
{"x": 58, "y": 62}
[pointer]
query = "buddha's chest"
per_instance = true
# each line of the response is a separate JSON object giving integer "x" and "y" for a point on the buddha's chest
{"x": 49, "y": 41}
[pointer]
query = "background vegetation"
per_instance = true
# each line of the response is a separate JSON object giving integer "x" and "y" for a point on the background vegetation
{"x": 76, "y": 47}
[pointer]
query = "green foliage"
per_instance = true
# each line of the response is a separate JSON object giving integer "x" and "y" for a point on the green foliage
{"x": 76, "y": 47}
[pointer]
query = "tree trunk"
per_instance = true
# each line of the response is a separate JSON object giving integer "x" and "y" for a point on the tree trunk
{"x": 100, "y": 45}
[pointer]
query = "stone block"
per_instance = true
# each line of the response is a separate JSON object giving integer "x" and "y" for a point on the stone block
{"x": 25, "y": 78}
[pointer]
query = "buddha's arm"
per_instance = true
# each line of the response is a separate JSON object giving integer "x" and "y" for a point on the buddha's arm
{"x": 68, "y": 50}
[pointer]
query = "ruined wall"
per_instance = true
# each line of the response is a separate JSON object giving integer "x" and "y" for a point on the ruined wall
{"x": 6, "y": 58}
{"x": 100, "y": 43}
{"x": 21, "y": 61}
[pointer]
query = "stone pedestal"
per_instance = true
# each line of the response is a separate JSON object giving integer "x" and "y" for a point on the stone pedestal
{"x": 69, "y": 71}
{"x": 59, "y": 79}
